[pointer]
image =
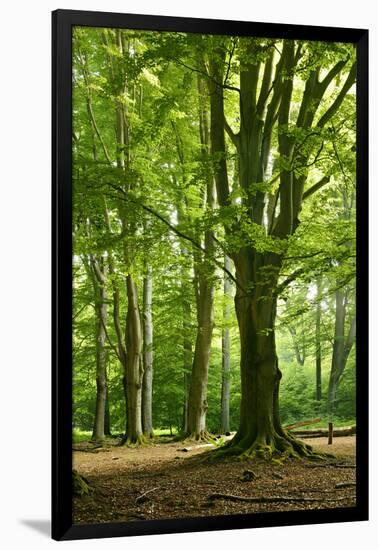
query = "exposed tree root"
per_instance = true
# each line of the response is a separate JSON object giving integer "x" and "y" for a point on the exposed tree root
{"x": 276, "y": 448}
{"x": 203, "y": 437}
{"x": 80, "y": 485}
{"x": 237, "y": 498}
{"x": 134, "y": 441}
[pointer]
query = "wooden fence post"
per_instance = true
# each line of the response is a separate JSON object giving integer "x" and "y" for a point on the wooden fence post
{"x": 330, "y": 433}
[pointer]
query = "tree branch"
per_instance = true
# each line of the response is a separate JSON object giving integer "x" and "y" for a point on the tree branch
{"x": 207, "y": 75}
{"x": 266, "y": 87}
{"x": 97, "y": 271}
{"x": 321, "y": 183}
{"x": 331, "y": 75}
{"x": 176, "y": 231}
{"x": 262, "y": 499}
{"x": 109, "y": 340}
{"x": 336, "y": 104}
{"x": 234, "y": 137}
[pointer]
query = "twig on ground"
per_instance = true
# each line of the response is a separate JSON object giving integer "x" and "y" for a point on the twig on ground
{"x": 237, "y": 498}
{"x": 344, "y": 485}
{"x": 142, "y": 497}
{"x": 330, "y": 464}
{"x": 87, "y": 449}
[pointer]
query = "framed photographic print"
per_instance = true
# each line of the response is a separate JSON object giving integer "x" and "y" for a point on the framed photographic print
{"x": 210, "y": 190}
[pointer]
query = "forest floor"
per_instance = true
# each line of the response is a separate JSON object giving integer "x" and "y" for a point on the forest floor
{"x": 163, "y": 480}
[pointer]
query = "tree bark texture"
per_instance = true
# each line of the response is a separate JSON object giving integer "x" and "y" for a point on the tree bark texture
{"x": 134, "y": 374}
{"x": 318, "y": 345}
{"x": 226, "y": 350}
{"x": 99, "y": 283}
{"x": 147, "y": 355}
{"x": 342, "y": 345}
{"x": 204, "y": 274}
{"x": 257, "y": 272}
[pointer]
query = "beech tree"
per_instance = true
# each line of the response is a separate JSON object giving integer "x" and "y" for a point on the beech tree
{"x": 226, "y": 349}
{"x": 265, "y": 101}
{"x": 98, "y": 274}
{"x": 210, "y": 168}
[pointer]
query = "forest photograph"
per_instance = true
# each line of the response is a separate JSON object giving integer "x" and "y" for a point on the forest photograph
{"x": 214, "y": 275}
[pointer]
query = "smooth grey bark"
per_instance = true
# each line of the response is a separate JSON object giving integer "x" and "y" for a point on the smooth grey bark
{"x": 107, "y": 422}
{"x": 226, "y": 349}
{"x": 147, "y": 355}
{"x": 98, "y": 276}
{"x": 187, "y": 352}
{"x": 133, "y": 363}
{"x": 129, "y": 336}
{"x": 342, "y": 345}
{"x": 97, "y": 271}
{"x": 197, "y": 401}
{"x": 204, "y": 273}
{"x": 299, "y": 354}
{"x": 134, "y": 373}
{"x": 187, "y": 344}
{"x": 101, "y": 381}
{"x": 318, "y": 344}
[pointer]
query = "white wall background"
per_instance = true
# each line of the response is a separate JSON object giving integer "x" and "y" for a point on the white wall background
{"x": 25, "y": 268}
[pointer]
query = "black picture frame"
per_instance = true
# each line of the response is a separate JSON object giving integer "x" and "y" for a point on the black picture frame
{"x": 62, "y": 23}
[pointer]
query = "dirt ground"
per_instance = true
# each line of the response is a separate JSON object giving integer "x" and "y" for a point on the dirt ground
{"x": 164, "y": 480}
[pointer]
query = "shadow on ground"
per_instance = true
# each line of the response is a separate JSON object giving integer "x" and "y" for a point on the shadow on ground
{"x": 42, "y": 526}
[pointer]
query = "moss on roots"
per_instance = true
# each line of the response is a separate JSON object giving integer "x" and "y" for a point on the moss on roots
{"x": 80, "y": 485}
{"x": 137, "y": 441}
{"x": 276, "y": 448}
{"x": 202, "y": 437}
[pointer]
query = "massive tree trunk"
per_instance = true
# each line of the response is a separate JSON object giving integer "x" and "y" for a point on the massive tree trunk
{"x": 226, "y": 381}
{"x": 257, "y": 273}
{"x": 341, "y": 347}
{"x": 260, "y": 431}
{"x": 147, "y": 355}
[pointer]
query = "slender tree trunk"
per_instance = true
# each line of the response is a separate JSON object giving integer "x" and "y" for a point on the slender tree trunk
{"x": 337, "y": 351}
{"x": 186, "y": 289}
{"x": 298, "y": 355}
{"x": 197, "y": 400}
{"x": 134, "y": 375}
{"x": 318, "y": 345}
{"x": 101, "y": 383}
{"x": 99, "y": 285}
{"x": 107, "y": 424}
{"x": 341, "y": 347}
{"x": 120, "y": 349}
{"x": 147, "y": 355}
{"x": 188, "y": 359}
{"x": 226, "y": 381}
{"x": 186, "y": 294}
